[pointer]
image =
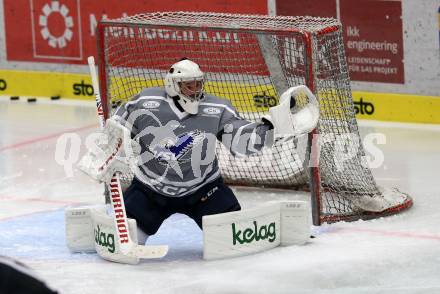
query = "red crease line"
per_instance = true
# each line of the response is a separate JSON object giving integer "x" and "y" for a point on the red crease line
{"x": 393, "y": 234}
{"x": 47, "y": 137}
{"x": 35, "y": 199}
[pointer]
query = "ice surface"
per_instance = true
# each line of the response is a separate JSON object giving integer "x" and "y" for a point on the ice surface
{"x": 398, "y": 254}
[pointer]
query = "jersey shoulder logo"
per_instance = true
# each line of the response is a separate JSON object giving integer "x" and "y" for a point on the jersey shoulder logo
{"x": 151, "y": 104}
{"x": 212, "y": 110}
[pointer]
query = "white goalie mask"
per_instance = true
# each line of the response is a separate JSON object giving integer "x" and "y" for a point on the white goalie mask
{"x": 185, "y": 80}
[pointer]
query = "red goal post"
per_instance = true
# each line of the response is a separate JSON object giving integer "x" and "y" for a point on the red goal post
{"x": 251, "y": 60}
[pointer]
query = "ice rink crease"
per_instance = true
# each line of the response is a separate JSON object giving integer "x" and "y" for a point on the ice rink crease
{"x": 397, "y": 254}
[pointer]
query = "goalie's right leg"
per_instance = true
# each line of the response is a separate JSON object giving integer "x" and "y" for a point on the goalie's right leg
{"x": 91, "y": 229}
{"x": 79, "y": 227}
{"x": 149, "y": 209}
{"x": 106, "y": 244}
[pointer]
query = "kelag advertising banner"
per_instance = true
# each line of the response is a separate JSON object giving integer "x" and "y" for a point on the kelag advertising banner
{"x": 64, "y": 31}
{"x": 372, "y": 34}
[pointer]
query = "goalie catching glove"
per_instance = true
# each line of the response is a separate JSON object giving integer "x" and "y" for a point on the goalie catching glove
{"x": 288, "y": 119}
{"x": 113, "y": 151}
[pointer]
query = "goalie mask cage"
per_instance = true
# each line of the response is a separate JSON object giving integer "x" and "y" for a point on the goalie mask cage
{"x": 251, "y": 60}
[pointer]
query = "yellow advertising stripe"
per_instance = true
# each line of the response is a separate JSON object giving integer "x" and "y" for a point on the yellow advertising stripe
{"x": 397, "y": 107}
{"x": 244, "y": 96}
{"x": 375, "y": 106}
{"x": 79, "y": 86}
{"x": 45, "y": 84}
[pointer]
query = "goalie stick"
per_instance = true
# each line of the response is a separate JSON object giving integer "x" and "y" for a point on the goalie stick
{"x": 127, "y": 246}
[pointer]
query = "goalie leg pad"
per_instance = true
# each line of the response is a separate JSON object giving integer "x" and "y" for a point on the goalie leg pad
{"x": 79, "y": 227}
{"x": 256, "y": 229}
{"x": 106, "y": 243}
{"x": 296, "y": 222}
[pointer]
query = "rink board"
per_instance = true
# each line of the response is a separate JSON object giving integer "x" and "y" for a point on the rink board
{"x": 368, "y": 105}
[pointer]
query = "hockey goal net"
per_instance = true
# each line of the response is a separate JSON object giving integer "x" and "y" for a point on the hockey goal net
{"x": 251, "y": 60}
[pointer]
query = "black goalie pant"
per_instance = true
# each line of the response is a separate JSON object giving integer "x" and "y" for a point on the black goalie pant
{"x": 150, "y": 208}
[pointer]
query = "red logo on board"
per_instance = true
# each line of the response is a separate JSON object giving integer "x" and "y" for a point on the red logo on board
{"x": 56, "y": 29}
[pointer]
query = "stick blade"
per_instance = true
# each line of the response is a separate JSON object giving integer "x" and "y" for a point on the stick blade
{"x": 150, "y": 251}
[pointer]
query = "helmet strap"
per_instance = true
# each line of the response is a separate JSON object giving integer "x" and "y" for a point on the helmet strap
{"x": 177, "y": 103}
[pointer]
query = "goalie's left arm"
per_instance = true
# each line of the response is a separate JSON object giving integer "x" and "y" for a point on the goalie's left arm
{"x": 243, "y": 137}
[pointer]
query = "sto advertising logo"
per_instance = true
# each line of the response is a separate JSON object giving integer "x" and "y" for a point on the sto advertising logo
{"x": 56, "y": 29}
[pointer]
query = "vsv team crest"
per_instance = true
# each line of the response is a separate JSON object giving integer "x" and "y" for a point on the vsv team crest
{"x": 176, "y": 151}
